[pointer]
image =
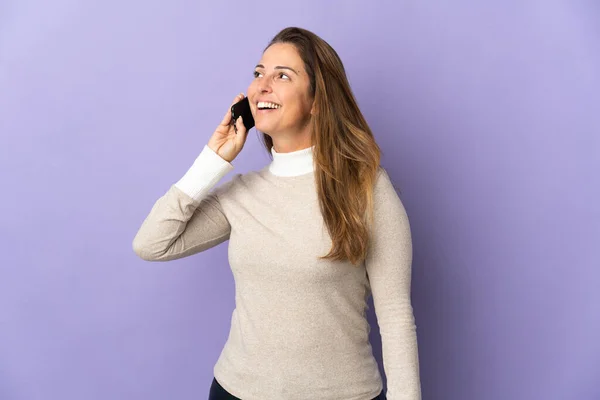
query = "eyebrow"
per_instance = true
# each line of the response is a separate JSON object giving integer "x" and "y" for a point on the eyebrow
{"x": 278, "y": 67}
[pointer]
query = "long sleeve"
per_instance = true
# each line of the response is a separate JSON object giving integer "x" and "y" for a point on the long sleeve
{"x": 188, "y": 218}
{"x": 388, "y": 264}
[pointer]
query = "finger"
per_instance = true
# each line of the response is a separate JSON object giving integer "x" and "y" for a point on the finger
{"x": 227, "y": 117}
{"x": 240, "y": 138}
{"x": 237, "y": 98}
{"x": 241, "y": 128}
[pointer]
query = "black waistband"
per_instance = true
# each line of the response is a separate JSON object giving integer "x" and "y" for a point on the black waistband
{"x": 218, "y": 392}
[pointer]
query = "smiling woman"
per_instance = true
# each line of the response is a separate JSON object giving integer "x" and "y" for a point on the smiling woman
{"x": 280, "y": 98}
{"x": 304, "y": 75}
{"x": 312, "y": 236}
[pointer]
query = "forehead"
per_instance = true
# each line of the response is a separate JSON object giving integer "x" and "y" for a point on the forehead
{"x": 284, "y": 54}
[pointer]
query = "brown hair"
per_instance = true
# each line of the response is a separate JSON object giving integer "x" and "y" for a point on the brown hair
{"x": 346, "y": 156}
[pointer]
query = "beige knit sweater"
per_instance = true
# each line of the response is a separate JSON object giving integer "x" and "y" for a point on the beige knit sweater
{"x": 299, "y": 330}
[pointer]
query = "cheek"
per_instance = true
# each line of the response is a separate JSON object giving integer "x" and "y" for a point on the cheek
{"x": 251, "y": 89}
{"x": 250, "y": 93}
{"x": 302, "y": 106}
{"x": 302, "y": 101}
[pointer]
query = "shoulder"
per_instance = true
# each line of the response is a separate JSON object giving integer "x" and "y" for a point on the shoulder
{"x": 237, "y": 183}
{"x": 386, "y": 196}
{"x": 384, "y": 186}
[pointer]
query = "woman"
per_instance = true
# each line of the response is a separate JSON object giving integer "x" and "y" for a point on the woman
{"x": 299, "y": 329}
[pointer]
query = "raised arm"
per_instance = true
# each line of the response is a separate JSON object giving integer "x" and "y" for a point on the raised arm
{"x": 188, "y": 218}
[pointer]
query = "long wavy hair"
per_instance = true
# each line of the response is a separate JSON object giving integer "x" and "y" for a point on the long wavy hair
{"x": 346, "y": 156}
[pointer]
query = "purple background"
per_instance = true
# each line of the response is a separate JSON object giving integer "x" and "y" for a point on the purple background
{"x": 489, "y": 120}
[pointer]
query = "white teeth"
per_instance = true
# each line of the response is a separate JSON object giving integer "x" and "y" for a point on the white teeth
{"x": 266, "y": 104}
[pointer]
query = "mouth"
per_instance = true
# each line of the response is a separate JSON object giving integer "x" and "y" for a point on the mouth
{"x": 267, "y": 106}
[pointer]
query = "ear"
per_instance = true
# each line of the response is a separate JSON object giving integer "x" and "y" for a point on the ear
{"x": 313, "y": 109}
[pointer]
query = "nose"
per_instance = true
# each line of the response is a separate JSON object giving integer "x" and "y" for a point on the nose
{"x": 265, "y": 86}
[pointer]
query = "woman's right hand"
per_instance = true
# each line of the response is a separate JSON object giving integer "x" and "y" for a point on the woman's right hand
{"x": 225, "y": 141}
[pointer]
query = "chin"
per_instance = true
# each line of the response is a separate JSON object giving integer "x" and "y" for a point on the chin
{"x": 264, "y": 129}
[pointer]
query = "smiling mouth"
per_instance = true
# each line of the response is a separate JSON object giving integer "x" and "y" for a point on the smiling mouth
{"x": 265, "y": 105}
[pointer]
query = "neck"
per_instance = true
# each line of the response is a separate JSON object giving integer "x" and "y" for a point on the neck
{"x": 295, "y": 139}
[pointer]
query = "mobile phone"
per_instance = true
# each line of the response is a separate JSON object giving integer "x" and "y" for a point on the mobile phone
{"x": 242, "y": 108}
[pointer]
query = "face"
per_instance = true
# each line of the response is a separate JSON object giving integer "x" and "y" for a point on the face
{"x": 279, "y": 95}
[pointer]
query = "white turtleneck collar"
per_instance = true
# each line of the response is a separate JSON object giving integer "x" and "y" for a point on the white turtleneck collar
{"x": 294, "y": 163}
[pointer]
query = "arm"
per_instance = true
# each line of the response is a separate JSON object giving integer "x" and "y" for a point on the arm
{"x": 388, "y": 264}
{"x": 188, "y": 219}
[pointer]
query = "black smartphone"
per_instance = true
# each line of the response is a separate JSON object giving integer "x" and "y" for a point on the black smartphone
{"x": 242, "y": 108}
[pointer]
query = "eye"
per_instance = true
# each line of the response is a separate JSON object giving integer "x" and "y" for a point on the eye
{"x": 281, "y": 75}
{"x": 256, "y": 74}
